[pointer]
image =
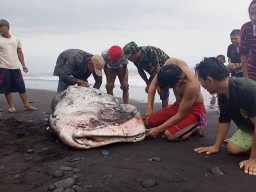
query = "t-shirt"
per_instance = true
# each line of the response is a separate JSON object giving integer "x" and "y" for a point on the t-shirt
{"x": 233, "y": 54}
{"x": 242, "y": 100}
{"x": 72, "y": 64}
{"x": 113, "y": 65}
{"x": 248, "y": 47}
{"x": 8, "y": 52}
{"x": 150, "y": 57}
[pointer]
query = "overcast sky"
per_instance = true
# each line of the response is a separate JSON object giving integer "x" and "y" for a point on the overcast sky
{"x": 187, "y": 29}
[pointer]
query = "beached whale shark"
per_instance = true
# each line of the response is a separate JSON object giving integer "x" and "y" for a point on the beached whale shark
{"x": 86, "y": 118}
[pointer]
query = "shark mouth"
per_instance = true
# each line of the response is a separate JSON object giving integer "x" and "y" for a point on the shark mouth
{"x": 91, "y": 141}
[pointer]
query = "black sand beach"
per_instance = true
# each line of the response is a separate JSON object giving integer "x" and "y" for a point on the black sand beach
{"x": 30, "y": 155}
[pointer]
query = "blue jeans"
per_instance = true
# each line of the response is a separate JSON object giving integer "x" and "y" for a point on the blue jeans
{"x": 61, "y": 86}
{"x": 165, "y": 92}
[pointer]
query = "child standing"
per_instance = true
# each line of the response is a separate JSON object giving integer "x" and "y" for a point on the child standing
{"x": 234, "y": 57}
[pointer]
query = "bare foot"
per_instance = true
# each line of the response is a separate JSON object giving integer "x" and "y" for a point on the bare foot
{"x": 30, "y": 108}
{"x": 12, "y": 110}
{"x": 196, "y": 131}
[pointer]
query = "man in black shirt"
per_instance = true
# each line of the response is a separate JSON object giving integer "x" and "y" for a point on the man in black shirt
{"x": 237, "y": 100}
{"x": 74, "y": 66}
{"x": 234, "y": 57}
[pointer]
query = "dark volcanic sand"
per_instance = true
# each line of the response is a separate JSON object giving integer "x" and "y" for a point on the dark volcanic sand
{"x": 30, "y": 155}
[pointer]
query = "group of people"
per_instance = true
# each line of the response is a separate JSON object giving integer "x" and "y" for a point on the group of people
{"x": 187, "y": 115}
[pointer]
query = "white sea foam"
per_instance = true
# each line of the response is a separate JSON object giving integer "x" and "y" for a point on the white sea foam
{"x": 46, "y": 81}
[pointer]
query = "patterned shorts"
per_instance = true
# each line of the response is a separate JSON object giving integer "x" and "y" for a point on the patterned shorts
{"x": 242, "y": 139}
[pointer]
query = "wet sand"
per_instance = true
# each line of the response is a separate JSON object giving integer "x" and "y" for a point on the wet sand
{"x": 30, "y": 155}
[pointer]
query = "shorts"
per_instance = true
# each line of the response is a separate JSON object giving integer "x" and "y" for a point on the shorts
{"x": 242, "y": 139}
{"x": 191, "y": 120}
{"x": 118, "y": 72}
{"x": 11, "y": 80}
{"x": 165, "y": 92}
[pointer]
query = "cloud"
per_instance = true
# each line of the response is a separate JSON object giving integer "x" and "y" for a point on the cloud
{"x": 186, "y": 29}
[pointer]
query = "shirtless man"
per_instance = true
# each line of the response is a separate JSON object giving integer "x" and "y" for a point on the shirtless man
{"x": 186, "y": 114}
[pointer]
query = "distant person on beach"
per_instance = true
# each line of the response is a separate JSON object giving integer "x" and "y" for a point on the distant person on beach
{"x": 116, "y": 65}
{"x": 237, "y": 100}
{"x": 234, "y": 57}
{"x": 74, "y": 66}
{"x": 187, "y": 115}
{"x": 149, "y": 59}
{"x": 222, "y": 58}
{"x": 247, "y": 45}
{"x": 11, "y": 79}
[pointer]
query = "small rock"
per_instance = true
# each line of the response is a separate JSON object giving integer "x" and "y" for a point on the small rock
{"x": 76, "y": 170}
{"x": 64, "y": 168}
{"x": 75, "y": 159}
{"x": 105, "y": 152}
{"x": 139, "y": 179}
{"x": 65, "y": 183}
{"x": 58, "y": 173}
{"x": 69, "y": 190}
{"x": 216, "y": 171}
{"x": 17, "y": 176}
{"x": 77, "y": 188}
{"x": 76, "y": 179}
{"x": 109, "y": 176}
{"x": 51, "y": 187}
{"x": 158, "y": 159}
{"x": 59, "y": 190}
{"x": 30, "y": 150}
{"x": 148, "y": 183}
{"x": 44, "y": 149}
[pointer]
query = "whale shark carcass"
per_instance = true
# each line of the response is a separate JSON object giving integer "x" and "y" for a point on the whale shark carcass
{"x": 86, "y": 118}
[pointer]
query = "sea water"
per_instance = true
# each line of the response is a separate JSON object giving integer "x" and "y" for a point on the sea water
{"x": 46, "y": 81}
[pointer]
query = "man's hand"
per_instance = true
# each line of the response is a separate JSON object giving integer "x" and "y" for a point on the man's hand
{"x": 25, "y": 69}
{"x": 153, "y": 132}
{"x": 146, "y": 88}
{"x": 148, "y": 113}
{"x": 207, "y": 150}
{"x": 83, "y": 83}
{"x": 249, "y": 166}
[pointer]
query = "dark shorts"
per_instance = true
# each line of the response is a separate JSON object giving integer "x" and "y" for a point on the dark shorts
{"x": 11, "y": 80}
{"x": 165, "y": 92}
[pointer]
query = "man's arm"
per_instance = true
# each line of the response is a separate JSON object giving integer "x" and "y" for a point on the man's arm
{"x": 244, "y": 59}
{"x": 67, "y": 73}
{"x": 222, "y": 130}
{"x": 21, "y": 59}
{"x": 98, "y": 81}
{"x": 143, "y": 75}
{"x": 188, "y": 99}
{"x": 106, "y": 71}
{"x": 151, "y": 97}
{"x": 250, "y": 164}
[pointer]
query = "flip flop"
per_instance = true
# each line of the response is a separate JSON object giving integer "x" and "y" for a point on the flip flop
{"x": 30, "y": 109}
{"x": 12, "y": 110}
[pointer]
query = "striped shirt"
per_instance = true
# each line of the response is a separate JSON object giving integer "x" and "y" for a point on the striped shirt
{"x": 248, "y": 47}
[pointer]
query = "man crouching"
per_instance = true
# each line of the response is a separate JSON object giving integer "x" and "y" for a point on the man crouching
{"x": 187, "y": 114}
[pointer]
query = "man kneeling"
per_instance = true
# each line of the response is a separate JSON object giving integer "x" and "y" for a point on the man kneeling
{"x": 182, "y": 118}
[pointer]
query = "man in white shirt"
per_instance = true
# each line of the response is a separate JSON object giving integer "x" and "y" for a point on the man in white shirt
{"x": 11, "y": 79}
